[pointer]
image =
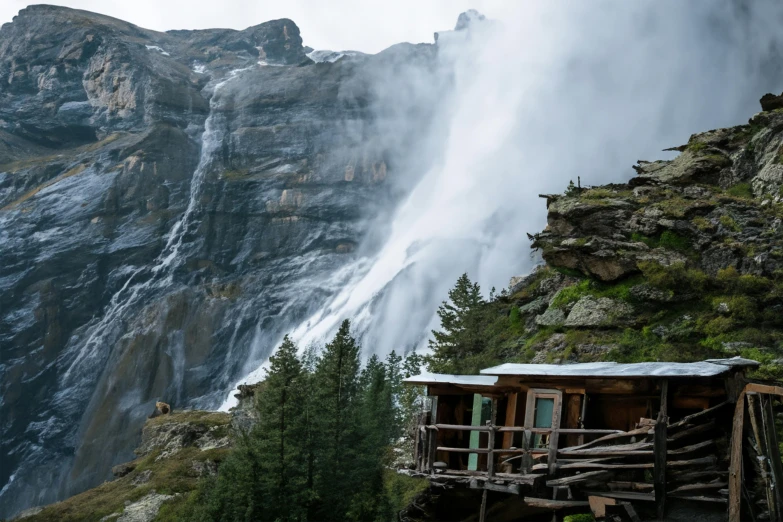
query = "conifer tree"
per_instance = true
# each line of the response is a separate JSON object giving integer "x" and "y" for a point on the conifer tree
{"x": 377, "y": 429}
{"x": 336, "y": 383}
{"x": 263, "y": 479}
{"x": 461, "y": 330}
{"x": 281, "y": 435}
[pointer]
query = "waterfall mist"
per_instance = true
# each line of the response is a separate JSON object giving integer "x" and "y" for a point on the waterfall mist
{"x": 540, "y": 95}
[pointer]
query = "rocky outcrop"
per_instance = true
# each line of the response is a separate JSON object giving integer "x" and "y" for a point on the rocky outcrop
{"x": 683, "y": 262}
{"x": 176, "y": 451}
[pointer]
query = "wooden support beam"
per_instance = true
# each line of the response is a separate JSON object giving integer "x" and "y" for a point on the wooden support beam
{"x": 693, "y": 447}
{"x": 633, "y": 486}
{"x": 511, "y": 417}
{"x": 612, "y": 436}
{"x": 617, "y": 450}
{"x": 554, "y": 504}
{"x": 625, "y": 495}
{"x": 433, "y": 444}
{"x": 735, "y": 466}
{"x": 481, "y": 451}
{"x": 690, "y": 476}
{"x": 590, "y": 476}
{"x": 491, "y": 438}
{"x": 697, "y": 416}
{"x": 511, "y": 489}
{"x": 659, "y": 471}
{"x": 709, "y": 460}
{"x": 527, "y": 459}
{"x": 763, "y": 388}
{"x": 459, "y": 427}
{"x": 690, "y": 488}
{"x": 577, "y": 431}
{"x": 693, "y": 430}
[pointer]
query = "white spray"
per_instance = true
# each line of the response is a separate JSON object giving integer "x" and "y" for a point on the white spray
{"x": 546, "y": 94}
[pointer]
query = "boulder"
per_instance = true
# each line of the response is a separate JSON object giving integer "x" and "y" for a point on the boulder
{"x": 599, "y": 312}
{"x": 120, "y": 470}
{"x": 770, "y": 102}
{"x": 552, "y": 317}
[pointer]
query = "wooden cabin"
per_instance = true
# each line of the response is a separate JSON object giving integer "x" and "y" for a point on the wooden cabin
{"x": 622, "y": 440}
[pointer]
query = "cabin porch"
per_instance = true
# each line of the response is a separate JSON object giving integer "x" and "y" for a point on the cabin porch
{"x": 622, "y": 444}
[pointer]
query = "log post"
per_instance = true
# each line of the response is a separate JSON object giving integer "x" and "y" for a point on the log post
{"x": 433, "y": 440}
{"x": 773, "y": 449}
{"x": 511, "y": 415}
{"x": 491, "y": 452}
{"x": 735, "y": 467}
{"x": 659, "y": 451}
{"x": 527, "y": 457}
{"x": 554, "y": 438}
{"x": 491, "y": 439}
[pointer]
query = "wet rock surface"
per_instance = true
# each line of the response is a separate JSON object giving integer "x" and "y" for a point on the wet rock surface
{"x": 168, "y": 190}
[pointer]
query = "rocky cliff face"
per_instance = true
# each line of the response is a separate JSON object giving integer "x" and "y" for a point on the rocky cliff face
{"x": 168, "y": 190}
{"x": 683, "y": 262}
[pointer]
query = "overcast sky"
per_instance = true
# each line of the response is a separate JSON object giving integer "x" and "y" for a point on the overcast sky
{"x": 362, "y": 25}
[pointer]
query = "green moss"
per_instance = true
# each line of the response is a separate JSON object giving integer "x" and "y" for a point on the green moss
{"x": 718, "y": 326}
{"x": 582, "y": 517}
{"x": 676, "y": 277}
{"x": 514, "y": 318}
{"x": 741, "y": 190}
{"x": 729, "y": 279}
{"x": 696, "y": 146}
{"x": 729, "y": 223}
{"x": 571, "y": 294}
{"x": 674, "y": 206}
{"x": 719, "y": 160}
{"x": 702, "y": 223}
{"x": 570, "y": 272}
{"x": 674, "y": 241}
{"x": 234, "y": 174}
{"x": 649, "y": 241}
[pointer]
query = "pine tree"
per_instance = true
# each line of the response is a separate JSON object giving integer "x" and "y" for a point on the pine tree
{"x": 264, "y": 479}
{"x": 282, "y": 433}
{"x": 377, "y": 429}
{"x": 336, "y": 383}
{"x": 461, "y": 329}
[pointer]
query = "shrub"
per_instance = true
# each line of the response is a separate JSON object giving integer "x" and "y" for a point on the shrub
{"x": 676, "y": 277}
{"x": 702, "y": 223}
{"x": 741, "y": 190}
{"x": 729, "y": 223}
{"x": 514, "y": 318}
{"x": 649, "y": 241}
{"x": 718, "y": 326}
{"x": 673, "y": 241}
{"x": 571, "y": 294}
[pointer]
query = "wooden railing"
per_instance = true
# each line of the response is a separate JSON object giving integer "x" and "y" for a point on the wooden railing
{"x": 426, "y": 460}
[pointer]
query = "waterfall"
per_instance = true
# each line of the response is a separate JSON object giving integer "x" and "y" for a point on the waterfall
{"x": 542, "y": 96}
{"x": 160, "y": 273}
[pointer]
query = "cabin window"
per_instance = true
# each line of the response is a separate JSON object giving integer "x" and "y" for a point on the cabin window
{"x": 543, "y": 411}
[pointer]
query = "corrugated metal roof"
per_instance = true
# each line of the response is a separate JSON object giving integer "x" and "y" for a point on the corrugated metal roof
{"x": 709, "y": 368}
{"x": 459, "y": 380}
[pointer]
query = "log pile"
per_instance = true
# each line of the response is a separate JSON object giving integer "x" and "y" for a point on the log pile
{"x": 624, "y": 466}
